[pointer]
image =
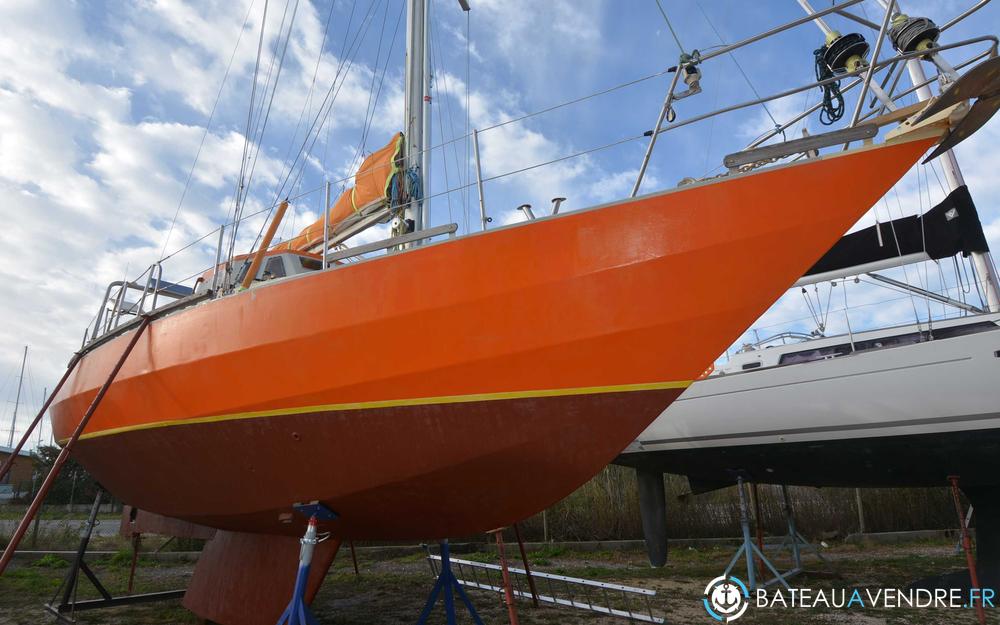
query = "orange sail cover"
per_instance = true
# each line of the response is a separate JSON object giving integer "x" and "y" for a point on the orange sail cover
{"x": 371, "y": 186}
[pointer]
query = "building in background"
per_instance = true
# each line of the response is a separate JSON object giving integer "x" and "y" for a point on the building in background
{"x": 18, "y": 480}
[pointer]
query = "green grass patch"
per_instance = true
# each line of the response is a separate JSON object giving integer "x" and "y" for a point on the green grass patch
{"x": 50, "y": 561}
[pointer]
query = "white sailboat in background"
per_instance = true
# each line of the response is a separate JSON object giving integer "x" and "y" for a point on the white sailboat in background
{"x": 901, "y": 405}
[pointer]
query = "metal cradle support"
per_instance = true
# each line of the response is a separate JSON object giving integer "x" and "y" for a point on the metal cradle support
{"x": 448, "y": 583}
{"x": 970, "y": 559}
{"x": 748, "y": 549}
{"x": 67, "y": 605}
{"x": 508, "y": 591}
{"x": 793, "y": 542}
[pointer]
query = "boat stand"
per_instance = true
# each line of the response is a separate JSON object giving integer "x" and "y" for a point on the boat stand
{"x": 749, "y": 549}
{"x": 447, "y": 582}
{"x": 970, "y": 558}
{"x": 297, "y": 612}
{"x": 68, "y": 604}
{"x": 793, "y": 541}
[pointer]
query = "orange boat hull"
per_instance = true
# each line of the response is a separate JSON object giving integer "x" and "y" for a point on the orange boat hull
{"x": 460, "y": 386}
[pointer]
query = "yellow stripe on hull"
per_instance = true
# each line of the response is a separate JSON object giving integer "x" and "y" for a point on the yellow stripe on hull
{"x": 395, "y": 403}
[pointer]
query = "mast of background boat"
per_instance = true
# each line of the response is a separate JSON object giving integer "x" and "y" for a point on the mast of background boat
{"x": 17, "y": 398}
{"x": 45, "y": 395}
{"x": 416, "y": 120}
{"x": 982, "y": 262}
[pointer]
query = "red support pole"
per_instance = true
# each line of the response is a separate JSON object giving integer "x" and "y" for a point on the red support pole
{"x": 527, "y": 569}
{"x": 45, "y": 406}
{"x": 967, "y": 547}
{"x": 507, "y": 590}
{"x": 57, "y": 466}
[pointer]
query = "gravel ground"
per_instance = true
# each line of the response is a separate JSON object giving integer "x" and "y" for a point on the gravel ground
{"x": 392, "y": 590}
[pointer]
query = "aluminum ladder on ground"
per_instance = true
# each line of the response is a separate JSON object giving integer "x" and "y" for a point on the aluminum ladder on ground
{"x": 614, "y": 600}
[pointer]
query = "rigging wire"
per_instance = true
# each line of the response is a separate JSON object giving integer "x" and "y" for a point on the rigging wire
{"x": 257, "y": 134}
{"x": 246, "y": 134}
{"x": 468, "y": 125}
{"x": 343, "y": 47}
{"x": 373, "y": 99}
{"x": 328, "y": 105}
{"x": 899, "y": 251}
{"x": 670, "y": 26}
{"x": 204, "y": 135}
{"x": 274, "y": 90}
{"x": 307, "y": 103}
{"x": 737, "y": 63}
{"x": 434, "y": 59}
{"x": 445, "y": 102}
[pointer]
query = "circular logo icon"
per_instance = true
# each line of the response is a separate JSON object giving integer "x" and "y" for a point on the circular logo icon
{"x": 726, "y": 598}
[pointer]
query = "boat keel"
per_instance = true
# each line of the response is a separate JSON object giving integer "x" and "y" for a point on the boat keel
{"x": 653, "y": 508}
{"x": 248, "y": 579}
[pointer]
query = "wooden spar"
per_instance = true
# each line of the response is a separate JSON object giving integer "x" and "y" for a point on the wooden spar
{"x": 266, "y": 243}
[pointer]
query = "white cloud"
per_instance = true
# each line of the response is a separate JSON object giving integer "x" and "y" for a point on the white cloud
{"x": 91, "y": 191}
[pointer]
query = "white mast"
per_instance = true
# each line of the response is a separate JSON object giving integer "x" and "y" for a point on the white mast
{"x": 17, "y": 399}
{"x": 982, "y": 262}
{"x": 416, "y": 114}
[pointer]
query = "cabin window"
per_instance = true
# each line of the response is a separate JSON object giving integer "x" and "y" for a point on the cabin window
{"x": 244, "y": 268}
{"x": 972, "y": 328}
{"x": 751, "y": 365}
{"x": 821, "y": 353}
{"x": 275, "y": 267}
{"x": 891, "y": 341}
{"x": 310, "y": 264}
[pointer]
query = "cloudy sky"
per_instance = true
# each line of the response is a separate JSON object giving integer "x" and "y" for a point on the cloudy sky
{"x": 104, "y": 108}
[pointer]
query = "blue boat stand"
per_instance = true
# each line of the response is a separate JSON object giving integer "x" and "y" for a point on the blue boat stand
{"x": 449, "y": 583}
{"x": 297, "y": 612}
